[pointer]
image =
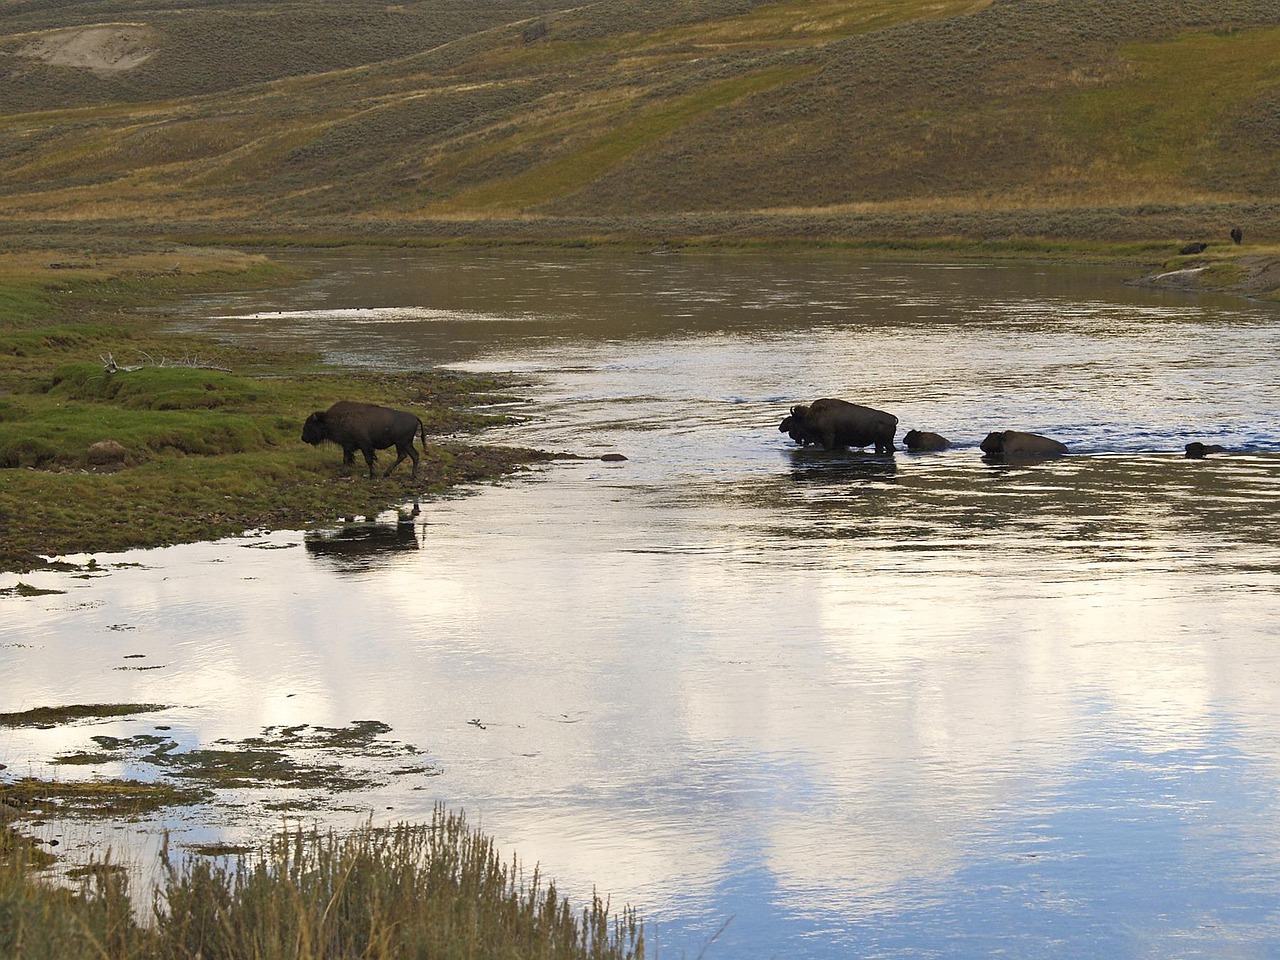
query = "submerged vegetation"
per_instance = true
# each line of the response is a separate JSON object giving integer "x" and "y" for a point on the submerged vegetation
{"x": 48, "y": 717}
{"x": 428, "y": 890}
{"x": 34, "y": 798}
{"x": 307, "y": 767}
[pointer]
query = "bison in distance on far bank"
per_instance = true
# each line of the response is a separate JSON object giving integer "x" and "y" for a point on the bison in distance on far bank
{"x": 368, "y": 428}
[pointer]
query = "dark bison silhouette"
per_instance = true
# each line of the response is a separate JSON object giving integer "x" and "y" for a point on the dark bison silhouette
{"x": 368, "y": 428}
{"x": 1236, "y": 234}
{"x": 1198, "y": 451}
{"x": 836, "y": 424}
{"x": 1197, "y": 247}
{"x": 795, "y": 428}
{"x": 918, "y": 441}
{"x": 1015, "y": 443}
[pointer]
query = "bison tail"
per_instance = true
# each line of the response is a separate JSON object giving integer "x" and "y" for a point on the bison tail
{"x": 422, "y": 432}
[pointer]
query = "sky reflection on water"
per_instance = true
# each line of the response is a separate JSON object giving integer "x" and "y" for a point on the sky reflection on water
{"x": 852, "y": 705}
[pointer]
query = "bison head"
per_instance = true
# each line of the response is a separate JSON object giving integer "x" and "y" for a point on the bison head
{"x": 994, "y": 443}
{"x": 793, "y": 425}
{"x": 315, "y": 431}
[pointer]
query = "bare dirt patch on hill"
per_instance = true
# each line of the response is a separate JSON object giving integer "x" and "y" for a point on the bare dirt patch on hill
{"x": 102, "y": 48}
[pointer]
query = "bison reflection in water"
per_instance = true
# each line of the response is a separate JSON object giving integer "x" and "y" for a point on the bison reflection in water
{"x": 368, "y": 428}
{"x": 359, "y": 546}
{"x": 839, "y": 473}
{"x": 836, "y": 424}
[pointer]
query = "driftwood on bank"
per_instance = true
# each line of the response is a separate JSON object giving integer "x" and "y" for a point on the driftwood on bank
{"x": 188, "y": 362}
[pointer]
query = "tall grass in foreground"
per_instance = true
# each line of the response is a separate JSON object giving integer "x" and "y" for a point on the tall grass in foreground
{"x": 435, "y": 890}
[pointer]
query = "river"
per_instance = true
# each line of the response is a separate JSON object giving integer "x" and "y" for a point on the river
{"x": 785, "y": 702}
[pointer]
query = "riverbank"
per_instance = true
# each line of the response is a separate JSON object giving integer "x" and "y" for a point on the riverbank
{"x": 119, "y": 434}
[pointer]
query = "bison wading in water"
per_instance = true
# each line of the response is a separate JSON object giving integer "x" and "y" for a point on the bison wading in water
{"x": 836, "y": 424}
{"x": 1198, "y": 451}
{"x": 368, "y": 428}
{"x": 1016, "y": 443}
{"x": 921, "y": 441}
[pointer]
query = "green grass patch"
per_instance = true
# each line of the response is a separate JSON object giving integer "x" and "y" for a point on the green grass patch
{"x": 158, "y": 387}
{"x": 1165, "y": 115}
{"x": 59, "y": 434}
{"x": 806, "y": 21}
{"x": 1222, "y": 276}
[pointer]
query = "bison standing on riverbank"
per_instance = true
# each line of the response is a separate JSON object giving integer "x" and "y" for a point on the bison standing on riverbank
{"x": 368, "y": 428}
{"x": 836, "y": 424}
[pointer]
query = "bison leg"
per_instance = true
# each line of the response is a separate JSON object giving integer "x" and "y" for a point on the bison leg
{"x": 404, "y": 451}
{"x": 370, "y": 457}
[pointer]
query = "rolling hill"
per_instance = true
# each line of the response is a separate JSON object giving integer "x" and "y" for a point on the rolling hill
{"x": 822, "y": 119}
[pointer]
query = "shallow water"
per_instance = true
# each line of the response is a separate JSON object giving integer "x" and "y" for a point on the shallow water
{"x": 785, "y": 702}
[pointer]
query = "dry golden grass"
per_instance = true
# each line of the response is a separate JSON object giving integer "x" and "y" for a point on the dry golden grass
{"x": 432, "y": 890}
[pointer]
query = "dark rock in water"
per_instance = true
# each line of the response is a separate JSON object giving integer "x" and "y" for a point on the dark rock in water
{"x": 613, "y": 458}
{"x": 1198, "y": 451}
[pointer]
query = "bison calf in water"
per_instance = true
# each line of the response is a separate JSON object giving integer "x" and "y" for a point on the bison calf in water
{"x": 836, "y": 424}
{"x": 1198, "y": 451}
{"x": 368, "y": 428}
{"x": 919, "y": 441}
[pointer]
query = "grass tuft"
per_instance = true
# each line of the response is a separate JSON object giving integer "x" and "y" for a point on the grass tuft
{"x": 428, "y": 890}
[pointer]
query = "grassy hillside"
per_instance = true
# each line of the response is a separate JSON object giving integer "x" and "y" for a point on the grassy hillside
{"x": 811, "y": 118}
